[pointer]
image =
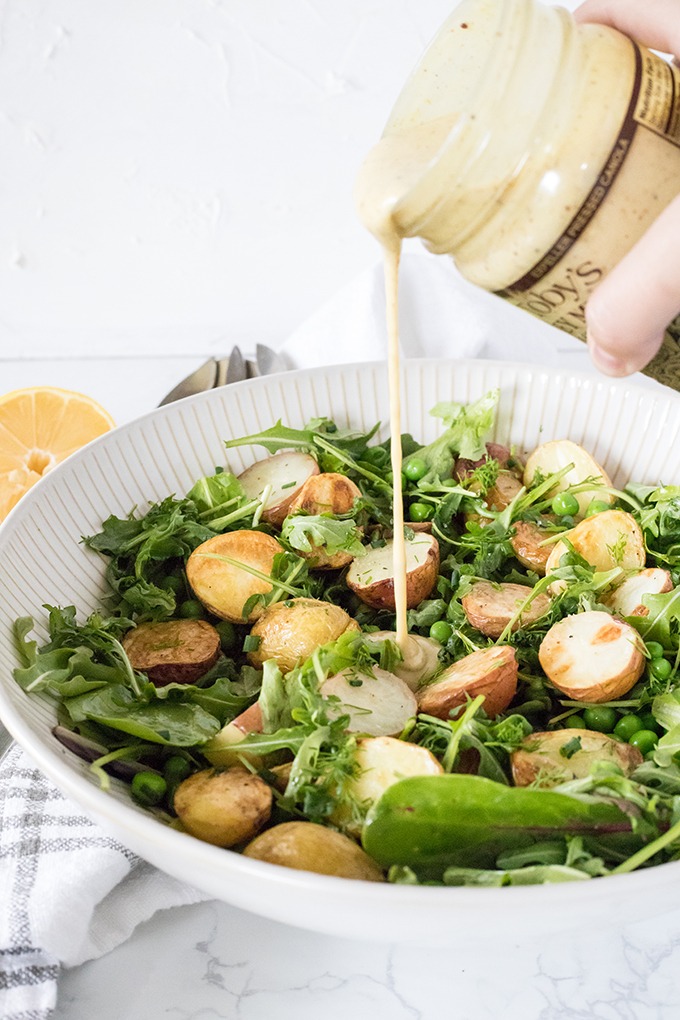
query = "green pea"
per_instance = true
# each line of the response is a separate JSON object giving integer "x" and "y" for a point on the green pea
{"x": 441, "y": 631}
{"x": 649, "y": 722}
{"x": 601, "y": 718}
{"x": 565, "y": 504}
{"x": 450, "y": 483}
{"x": 174, "y": 583}
{"x": 660, "y": 668}
{"x": 148, "y": 788}
{"x": 227, "y": 633}
{"x": 628, "y": 725}
{"x": 176, "y": 769}
{"x": 415, "y": 469}
{"x": 575, "y": 722}
{"x": 644, "y": 740}
{"x": 596, "y": 506}
{"x": 654, "y": 649}
{"x": 420, "y": 512}
{"x": 191, "y": 609}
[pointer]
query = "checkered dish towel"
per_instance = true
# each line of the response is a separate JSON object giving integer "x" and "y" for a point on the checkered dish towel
{"x": 68, "y": 892}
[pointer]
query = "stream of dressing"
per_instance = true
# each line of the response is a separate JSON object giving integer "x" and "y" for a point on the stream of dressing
{"x": 392, "y": 168}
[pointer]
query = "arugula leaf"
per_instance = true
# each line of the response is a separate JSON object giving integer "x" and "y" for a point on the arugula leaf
{"x": 662, "y": 624}
{"x": 467, "y": 429}
{"x": 307, "y": 532}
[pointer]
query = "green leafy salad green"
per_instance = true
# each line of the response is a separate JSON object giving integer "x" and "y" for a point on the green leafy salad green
{"x": 529, "y": 730}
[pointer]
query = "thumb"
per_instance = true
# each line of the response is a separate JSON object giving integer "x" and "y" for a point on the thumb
{"x": 628, "y": 313}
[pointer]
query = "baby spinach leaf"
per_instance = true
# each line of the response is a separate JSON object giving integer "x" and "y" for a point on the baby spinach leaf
{"x": 305, "y": 532}
{"x": 467, "y": 821}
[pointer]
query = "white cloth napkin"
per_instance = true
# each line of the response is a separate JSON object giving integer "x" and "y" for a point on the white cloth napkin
{"x": 69, "y": 892}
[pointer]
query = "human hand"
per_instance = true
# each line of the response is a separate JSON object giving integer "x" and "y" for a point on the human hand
{"x": 628, "y": 313}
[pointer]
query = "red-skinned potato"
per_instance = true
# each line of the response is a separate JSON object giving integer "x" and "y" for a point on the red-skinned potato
{"x": 285, "y": 473}
{"x": 490, "y": 607}
{"x": 527, "y": 543}
{"x": 557, "y": 454}
{"x": 626, "y": 599}
{"x": 490, "y": 671}
{"x": 606, "y": 540}
{"x": 224, "y": 588}
{"x": 290, "y": 631}
{"x": 173, "y": 651}
{"x": 592, "y": 657}
{"x": 223, "y": 807}
{"x": 541, "y": 756}
{"x": 371, "y": 576}
{"x": 378, "y": 704}
{"x": 326, "y": 493}
{"x": 494, "y": 451}
{"x": 223, "y": 749}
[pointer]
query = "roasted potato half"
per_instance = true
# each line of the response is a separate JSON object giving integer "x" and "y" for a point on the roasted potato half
{"x": 626, "y": 599}
{"x": 218, "y": 574}
{"x": 307, "y": 846}
{"x": 283, "y": 475}
{"x": 173, "y": 651}
{"x": 556, "y": 757}
{"x": 223, "y": 807}
{"x": 490, "y": 607}
{"x": 326, "y": 493}
{"x": 606, "y": 540}
{"x": 378, "y": 704}
{"x": 527, "y": 543}
{"x": 490, "y": 671}
{"x": 223, "y": 749}
{"x": 557, "y": 454}
{"x": 592, "y": 656}
{"x": 290, "y": 631}
{"x": 371, "y": 576}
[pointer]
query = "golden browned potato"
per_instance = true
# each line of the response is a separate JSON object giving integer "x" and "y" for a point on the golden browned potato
{"x": 527, "y": 543}
{"x": 592, "y": 656}
{"x": 279, "y": 479}
{"x": 557, "y": 454}
{"x": 223, "y": 807}
{"x": 290, "y": 631}
{"x": 626, "y": 599}
{"x": 490, "y": 607}
{"x": 420, "y": 657}
{"x": 225, "y": 587}
{"x": 379, "y": 703}
{"x": 606, "y": 540}
{"x": 310, "y": 847}
{"x": 372, "y": 576}
{"x": 175, "y": 651}
{"x": 553, "y": 757}
{"x": 490, "y": 671}
{"x": 326, "y": 493}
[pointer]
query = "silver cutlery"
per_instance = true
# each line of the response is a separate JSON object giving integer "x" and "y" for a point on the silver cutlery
{"x": 223, "y": 371}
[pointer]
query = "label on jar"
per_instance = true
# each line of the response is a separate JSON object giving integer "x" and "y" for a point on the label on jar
{"x": 642, "y": 171}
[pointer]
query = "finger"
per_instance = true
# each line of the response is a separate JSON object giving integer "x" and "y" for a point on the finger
{"x": 628, "y": 313}
{"x": 654, "y": 23}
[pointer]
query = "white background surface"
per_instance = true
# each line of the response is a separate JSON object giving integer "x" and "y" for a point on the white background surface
{"x": 176, "y": 177}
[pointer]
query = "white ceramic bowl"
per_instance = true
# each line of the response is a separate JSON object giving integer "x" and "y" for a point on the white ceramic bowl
{"x": 633, "y": 432}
